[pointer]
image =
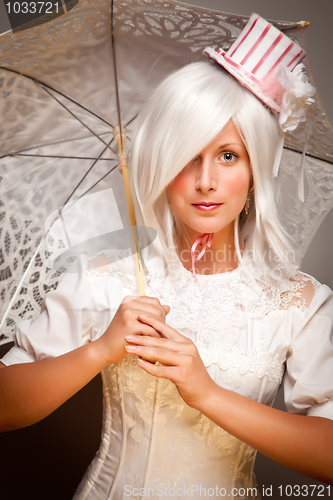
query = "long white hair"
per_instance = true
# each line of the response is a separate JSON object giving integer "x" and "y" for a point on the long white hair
{"x": 184, "y": 114}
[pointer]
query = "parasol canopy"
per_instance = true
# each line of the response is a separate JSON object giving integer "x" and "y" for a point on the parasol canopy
{"x": 59, "y": 116}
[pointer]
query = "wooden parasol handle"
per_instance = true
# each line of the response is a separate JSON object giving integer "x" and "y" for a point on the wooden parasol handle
{"x": 130, "y": 207}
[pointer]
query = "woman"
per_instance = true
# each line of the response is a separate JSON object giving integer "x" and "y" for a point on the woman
{"x": 189, "y": 425}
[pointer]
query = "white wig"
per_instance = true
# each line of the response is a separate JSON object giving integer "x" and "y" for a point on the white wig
{"x": 184, "y": 114}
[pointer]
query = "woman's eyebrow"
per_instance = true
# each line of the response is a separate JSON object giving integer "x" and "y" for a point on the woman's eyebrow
{"x": 230, "y": 144}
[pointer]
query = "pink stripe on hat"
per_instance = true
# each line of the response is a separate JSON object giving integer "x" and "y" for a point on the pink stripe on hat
{"x": 267, "y": 53}
{"x": 282, "y": 56}
{"x": 297, "y": 59}
{"x": 243, "y": 70}
{"x": 254, "y": 47}
{"x": 240, "y": 42}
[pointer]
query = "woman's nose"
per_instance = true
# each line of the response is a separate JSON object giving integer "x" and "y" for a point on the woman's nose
{"x": 206, "y": 174}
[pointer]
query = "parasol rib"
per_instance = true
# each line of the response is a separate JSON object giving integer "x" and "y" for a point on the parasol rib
{"x": 99, "y": 180}
{"x": 63, "y": 157}
{"x": 119, "y": 134}
{"x": 59, "y": 93}
{"x": 13, "y": 153}
{"x": 85, "y": 175}
{"x": 288, "y": 148}
{"x": 74, "y": 116}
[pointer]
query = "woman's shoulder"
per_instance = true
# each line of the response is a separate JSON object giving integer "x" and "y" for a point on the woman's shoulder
{"x": 300, "y": 291}
{"x": 305, "y": 293}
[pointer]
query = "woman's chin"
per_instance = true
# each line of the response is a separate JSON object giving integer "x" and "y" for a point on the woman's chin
{"x": 208, "y": 227}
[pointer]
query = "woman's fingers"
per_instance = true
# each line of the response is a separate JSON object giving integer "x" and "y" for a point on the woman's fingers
{"x": 146, "y": 305}
{"x": 132, "y": 313}
{"x": 157, "y": 370}
{"x": 127, "y": 321}
{"x": 162, "y": 355}
{"x": 147, "y": 332}
{"x": 138, "y": 329}
{"x": 162, "y": 349}
{"x": 160, "y": 342}
{"x": 165, "y": 330}
{"x": 178, "y": 360}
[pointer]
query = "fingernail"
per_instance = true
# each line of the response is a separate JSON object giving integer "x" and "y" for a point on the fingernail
{"x": 141, "y": 362}
{"x": 130, "y": 348}
{"x": 142, "y": 316}
{"x": 130, "y": 338}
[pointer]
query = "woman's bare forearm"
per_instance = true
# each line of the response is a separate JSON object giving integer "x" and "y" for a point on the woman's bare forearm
{"x": 299, "y": 442}
{"x": 31, "y": 391}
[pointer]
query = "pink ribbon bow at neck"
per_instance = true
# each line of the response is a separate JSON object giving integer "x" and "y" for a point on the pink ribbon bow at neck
{"x": 200, "y": 241}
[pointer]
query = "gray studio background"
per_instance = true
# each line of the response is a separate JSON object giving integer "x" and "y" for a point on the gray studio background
{"x": 317, "y": 261}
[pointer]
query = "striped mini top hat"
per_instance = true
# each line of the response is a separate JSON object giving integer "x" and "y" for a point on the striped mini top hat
{"x": 256, "y": 58}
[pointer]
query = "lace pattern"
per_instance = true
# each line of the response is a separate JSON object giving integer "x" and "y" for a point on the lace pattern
{"x": 178, "y": 33}
{"x": 261, "y": 366}
{"x": 217, "y": 311}
{"x": 235, "y": 293}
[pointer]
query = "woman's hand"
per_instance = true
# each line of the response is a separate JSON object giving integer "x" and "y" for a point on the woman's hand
{"x": 126, "y": 322}
{"x": 31, "y": 391}
{"x": 180, "y": 360}
{"x": 256, "y": 424}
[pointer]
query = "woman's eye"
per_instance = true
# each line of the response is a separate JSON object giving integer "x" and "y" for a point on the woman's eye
{"x": 228, "y": 157}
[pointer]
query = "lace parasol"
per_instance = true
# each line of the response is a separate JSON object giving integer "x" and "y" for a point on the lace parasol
{"x": 59, "y": 113}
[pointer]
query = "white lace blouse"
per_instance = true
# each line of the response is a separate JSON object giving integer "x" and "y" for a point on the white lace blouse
{"x": 154, "y": 445}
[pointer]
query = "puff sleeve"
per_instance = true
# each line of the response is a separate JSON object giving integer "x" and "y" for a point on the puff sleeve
{"x": 78, "y": 311}
{"x": 308, "y": 382}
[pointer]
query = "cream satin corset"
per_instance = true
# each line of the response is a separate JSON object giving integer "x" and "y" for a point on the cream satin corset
{"x": 250, "y": 336}
{"x": 152, "y": 440}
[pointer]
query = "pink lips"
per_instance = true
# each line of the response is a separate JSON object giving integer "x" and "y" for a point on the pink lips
{"x": 207, "y": 207}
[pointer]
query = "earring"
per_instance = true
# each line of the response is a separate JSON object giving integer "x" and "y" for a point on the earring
{"x": 247, "y": 204}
